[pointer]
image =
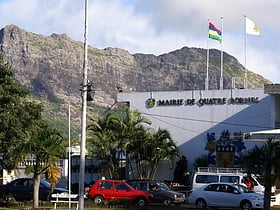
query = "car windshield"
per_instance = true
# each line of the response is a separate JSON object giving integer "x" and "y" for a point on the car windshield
{"x": 45, "y": 183}
{"x": 163, "y": 186}
{"x": 243, "y": 189}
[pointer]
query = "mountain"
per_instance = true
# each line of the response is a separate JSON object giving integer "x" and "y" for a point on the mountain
{"x": 52, "y": 68}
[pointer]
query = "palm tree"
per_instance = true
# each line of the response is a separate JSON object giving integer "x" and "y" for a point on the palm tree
{"x": 110, "y": 135}
{"x": 45, "y": 147}
{"x": 164, "y": 149}
{"x": 102, "y": 144}
{"x": 149, "y": 152}
{"x": 124, "y": 132}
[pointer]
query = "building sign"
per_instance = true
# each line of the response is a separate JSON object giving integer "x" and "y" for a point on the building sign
{"x": 225, "y": 151}
{"x": 151, "y": 102}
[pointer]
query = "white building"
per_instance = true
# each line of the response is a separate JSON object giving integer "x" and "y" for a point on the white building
{"x": 190, "y": 115}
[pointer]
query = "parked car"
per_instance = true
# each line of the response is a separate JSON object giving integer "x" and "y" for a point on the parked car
{"x": 226, "y": 195}
{"x": 22, "y": 190}
{"x": 160, "y": 191}
{"x": 117, "y": 190}
{"x": 206, "y": 175}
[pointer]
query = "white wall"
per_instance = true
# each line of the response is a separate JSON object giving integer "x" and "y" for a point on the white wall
{"x": 189, "y": 124}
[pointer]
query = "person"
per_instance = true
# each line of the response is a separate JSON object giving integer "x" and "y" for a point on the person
{"x": 154, "y": 187}
{"x": 181, "y": 171}
{"x": 249, "y": 183}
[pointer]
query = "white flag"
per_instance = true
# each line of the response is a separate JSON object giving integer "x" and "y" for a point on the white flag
{"x": 251, "y": 27}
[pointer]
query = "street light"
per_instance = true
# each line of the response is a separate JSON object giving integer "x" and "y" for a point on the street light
{"x": 69, "y": 154}
{"x": 84, "y": 107}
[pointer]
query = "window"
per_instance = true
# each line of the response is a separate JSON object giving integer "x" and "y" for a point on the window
{"x": 212, "y": 187}
{"x": 106, "y": 185}
{"x": 229, "y": 179}
{"x": 20, "y": 183}
{"x": 226, "y": 188}
{"x": 121, "y": 186}
{"x": 206, "y": 178}
{"x": 143, "y": 186}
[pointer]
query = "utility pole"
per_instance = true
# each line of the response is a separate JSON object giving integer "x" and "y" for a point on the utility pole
{"x": 84, "y": 115}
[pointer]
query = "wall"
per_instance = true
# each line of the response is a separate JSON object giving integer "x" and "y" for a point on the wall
{"x": 188, "y": 119}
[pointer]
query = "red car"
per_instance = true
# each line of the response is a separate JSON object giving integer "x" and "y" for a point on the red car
{"x": 117, "y": 190}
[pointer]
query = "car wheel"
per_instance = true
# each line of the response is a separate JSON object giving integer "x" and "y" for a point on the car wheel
{"x": 246, "y": 205}
{"x": 200, "y": 203}
{"x": 167, "y": 202}
{"x": 9, "y": 197}
{"x": 141, "y": 202}
{"x": 98, "y": 199}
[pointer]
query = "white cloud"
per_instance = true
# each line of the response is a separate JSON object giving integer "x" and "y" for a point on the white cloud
{"x": 157, "y": 26}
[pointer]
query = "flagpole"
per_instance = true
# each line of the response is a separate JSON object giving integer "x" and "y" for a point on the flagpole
{"x": 245, "y": 62}
{"x": 207, "y": 62}
{"x": 221, "y": 79}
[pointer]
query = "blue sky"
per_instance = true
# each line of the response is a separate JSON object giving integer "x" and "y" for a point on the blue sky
{"x": 158, "y": 26}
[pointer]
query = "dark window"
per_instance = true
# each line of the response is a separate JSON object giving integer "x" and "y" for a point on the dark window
{"x": 106, "y": 185}
{"x": 229, "y": 179}
{"x": 212, "y": 187}
{"x": 143, "y": 186}
{"x": 19, "y": 183}
{"x": 206, "y": 178}
{"x": 121, "y": 186}
{"x": 226, "y": 188}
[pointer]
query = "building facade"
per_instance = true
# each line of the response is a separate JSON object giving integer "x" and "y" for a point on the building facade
{"x": 201, "y": 122}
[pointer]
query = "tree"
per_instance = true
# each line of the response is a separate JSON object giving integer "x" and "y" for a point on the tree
{"x": 149, "y": 150}
{"x": 24, "y": 134}
{"x": 265, "y": 161}
{"x": 17, "y": 115}
{"x": 102, "y": 144}
{"x": 44, "y": 146}
{"x": 123, "y": 133}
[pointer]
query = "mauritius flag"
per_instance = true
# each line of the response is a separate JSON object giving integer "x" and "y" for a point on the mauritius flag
{"x": 214, "y": 33}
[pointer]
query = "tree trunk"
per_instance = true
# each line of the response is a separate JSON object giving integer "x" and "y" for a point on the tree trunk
{"x": 267, "y": 177}
{"x": 36, "y": 191}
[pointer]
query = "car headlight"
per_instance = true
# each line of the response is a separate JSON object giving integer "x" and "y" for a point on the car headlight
{"x": 175, "y": 196}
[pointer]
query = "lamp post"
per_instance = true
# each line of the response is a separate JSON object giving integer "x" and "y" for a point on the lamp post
{"x": 69, "y": 155}
{"x": 84, "y": 107}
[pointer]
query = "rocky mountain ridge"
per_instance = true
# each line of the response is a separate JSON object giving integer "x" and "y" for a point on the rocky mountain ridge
{"x": 51, "y": 66}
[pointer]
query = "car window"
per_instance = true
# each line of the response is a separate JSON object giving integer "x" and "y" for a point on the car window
{"x": 206, "y": 178}
{"x": 226, "y": 188}
{"x": 20, "y": 183}
{"x": 153, "y": 186}
{"x": 121, "y": 186}
{"x": 29, "y": 183}
{"x": 106, "y": 185}
{"x": 230, "y": 189}
{"x": 212, "y": 187}
{"x": 45, "y": 183}
{"x": 142, "y": 186}
{"x": 243, "y": 189}
{"x": 163, "y": 186}
{"x": 229, "y": 179}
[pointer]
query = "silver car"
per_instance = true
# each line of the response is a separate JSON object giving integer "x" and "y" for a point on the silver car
{"x": 226, "y": 195}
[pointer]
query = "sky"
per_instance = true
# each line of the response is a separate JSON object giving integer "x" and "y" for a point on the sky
{"x": 159, "y": 26}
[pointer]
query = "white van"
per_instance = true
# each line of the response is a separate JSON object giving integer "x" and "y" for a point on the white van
{"x": 205, "y": 175}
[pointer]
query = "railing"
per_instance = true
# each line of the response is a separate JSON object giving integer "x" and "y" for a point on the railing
{"x": 220, "y": 170}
